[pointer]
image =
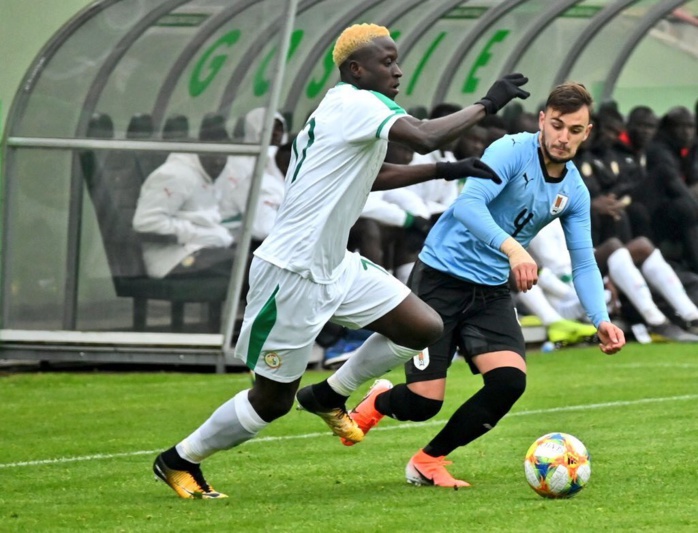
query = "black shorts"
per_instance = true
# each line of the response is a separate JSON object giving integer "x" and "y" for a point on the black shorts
{"x": 477, "y": 319}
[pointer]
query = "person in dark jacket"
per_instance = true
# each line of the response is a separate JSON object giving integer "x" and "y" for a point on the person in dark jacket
{"x": 667, "y": 196}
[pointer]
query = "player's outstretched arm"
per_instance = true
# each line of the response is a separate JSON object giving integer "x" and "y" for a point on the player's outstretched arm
{"x": 425, "y": 136}
{"x": 611, "y": 338}
{"x": 393, "y": 176}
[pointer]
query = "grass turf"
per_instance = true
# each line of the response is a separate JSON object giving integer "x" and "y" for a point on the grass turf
{"x": 77, "y": 449}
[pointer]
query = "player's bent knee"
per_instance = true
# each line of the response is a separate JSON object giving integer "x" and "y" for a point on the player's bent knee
{"x": 424, "y": 408}
{"x": 419, "y": 336}
{"x": 271, "y": 409}
{"x": 403, "y": 404}
{"x": 412, "y": 324}
{"x": 504, "y": 386}
{"x": 270, "y": 399}
{"x": 427, "y": 331}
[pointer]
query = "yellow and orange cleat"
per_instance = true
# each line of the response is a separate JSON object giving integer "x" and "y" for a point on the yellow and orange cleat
{"x": 188, "y": 484}
{"x": 337, "y": 418}
{"x": 365, "y": 414}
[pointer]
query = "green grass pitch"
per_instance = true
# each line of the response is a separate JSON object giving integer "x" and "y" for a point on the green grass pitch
{"x": 77, "y": 448}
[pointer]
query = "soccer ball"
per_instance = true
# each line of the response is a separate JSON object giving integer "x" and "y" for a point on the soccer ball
{"x": 557, "y": 465}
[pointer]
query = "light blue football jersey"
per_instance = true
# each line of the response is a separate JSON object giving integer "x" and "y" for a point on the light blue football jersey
{"x": 466, "y": 239}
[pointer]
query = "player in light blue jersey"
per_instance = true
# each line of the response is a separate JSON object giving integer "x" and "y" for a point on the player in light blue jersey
{"x": 466, "y": 242}
{"x": 303, "y": 276}
{"x": 463, "y": 271}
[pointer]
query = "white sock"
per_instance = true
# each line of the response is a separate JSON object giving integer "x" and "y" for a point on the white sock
{"x": 403, "y": 272}
{"x": 662, "y": 278}
{"x": 536, "y": 302}
{"x": 550, "y": 283}
{"x": 629, "y": 280}
{"x": 373, "y": 359}
{"x": 231, "y": 424}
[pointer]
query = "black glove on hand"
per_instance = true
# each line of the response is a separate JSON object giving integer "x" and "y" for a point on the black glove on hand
{"x": 504, "y": 90}
{"x": 468, "y": 167}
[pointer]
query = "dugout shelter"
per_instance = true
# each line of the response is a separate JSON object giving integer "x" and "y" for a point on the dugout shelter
{"x": 106, "y": 84}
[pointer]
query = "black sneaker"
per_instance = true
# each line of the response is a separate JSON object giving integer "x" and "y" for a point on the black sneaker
{"x": 668, "y": 332}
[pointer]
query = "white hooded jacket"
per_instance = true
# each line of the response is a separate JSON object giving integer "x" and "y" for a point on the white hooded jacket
{"x": 236, "y": 179}
{"x": 178, "y": 198}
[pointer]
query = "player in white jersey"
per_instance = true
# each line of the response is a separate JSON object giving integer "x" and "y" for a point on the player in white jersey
{"x": 302, "y": 275}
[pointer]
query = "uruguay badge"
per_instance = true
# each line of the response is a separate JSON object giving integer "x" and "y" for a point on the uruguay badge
{"x": 559, "y": 204}
{"x": 421, "y": 360}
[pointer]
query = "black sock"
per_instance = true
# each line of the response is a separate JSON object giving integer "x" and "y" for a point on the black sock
{"x": 327, "y": 397}
{"x": 481, "y": 412}
{"x": 174, "y": 461}
{"x": 401, "y": 403}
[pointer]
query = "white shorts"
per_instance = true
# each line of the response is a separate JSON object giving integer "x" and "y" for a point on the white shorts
{"x": 285, "y": 312}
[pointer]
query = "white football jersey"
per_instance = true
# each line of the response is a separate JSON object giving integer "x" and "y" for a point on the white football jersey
{"x": 335, "y": 160}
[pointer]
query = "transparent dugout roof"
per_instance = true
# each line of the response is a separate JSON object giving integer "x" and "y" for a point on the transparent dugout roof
{"x": 192, "y": 57}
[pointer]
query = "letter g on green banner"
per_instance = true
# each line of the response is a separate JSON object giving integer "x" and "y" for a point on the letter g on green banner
{"x": 197, "y": 85}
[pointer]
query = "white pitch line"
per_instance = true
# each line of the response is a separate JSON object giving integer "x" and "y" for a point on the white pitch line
{"x": 587, "y": 407}
{"x": 77, "y": 459}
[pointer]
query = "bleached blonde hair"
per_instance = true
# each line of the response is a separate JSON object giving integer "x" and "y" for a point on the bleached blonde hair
{"x": 355, "y": 37}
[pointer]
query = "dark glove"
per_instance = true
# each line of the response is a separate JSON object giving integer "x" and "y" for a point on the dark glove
{"x": 468, "y": 167}
{"x": 419, "y": 224}
{"x": 502, "y": 91}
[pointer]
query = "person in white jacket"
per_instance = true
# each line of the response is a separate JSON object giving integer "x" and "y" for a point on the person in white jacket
{"x": 179, "y": 199}
{"x": 437, "y": 195}
{"x": 236, "y": 179}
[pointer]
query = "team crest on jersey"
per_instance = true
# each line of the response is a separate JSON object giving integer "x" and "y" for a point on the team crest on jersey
{"x": 421, "y": 360}
{"x": 559, "y": 204}
{"x": 272, "y": 359}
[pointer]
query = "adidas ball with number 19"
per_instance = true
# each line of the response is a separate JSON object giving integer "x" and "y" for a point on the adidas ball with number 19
{"x": 557, "y": 465}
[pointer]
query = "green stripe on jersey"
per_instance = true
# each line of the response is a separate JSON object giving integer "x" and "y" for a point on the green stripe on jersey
{"x": 311, "y": 140}
{"x": 380, "y": 128}
{"x": 295, "y": 150}
{"x": 397, "y": 110}
{"x": 368, "y": 263}
{"x": 388, "y": 102}
{"x": 261, "y": 327}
